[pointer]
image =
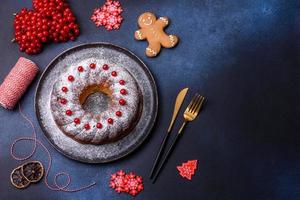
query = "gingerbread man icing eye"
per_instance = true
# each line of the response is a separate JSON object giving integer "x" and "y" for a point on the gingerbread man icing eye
{"x": 146, "y": 19}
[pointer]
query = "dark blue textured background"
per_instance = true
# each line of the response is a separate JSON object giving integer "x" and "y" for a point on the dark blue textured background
{"x": 244, "y": 56}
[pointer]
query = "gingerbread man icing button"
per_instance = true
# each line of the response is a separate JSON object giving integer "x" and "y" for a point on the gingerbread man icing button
{"x": 152, "y": 30}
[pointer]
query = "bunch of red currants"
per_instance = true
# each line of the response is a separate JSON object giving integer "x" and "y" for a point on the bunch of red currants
{"x": 50, "y": 20}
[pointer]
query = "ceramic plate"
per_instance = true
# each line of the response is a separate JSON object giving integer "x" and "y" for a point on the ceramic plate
{"x": 97, "y": 153}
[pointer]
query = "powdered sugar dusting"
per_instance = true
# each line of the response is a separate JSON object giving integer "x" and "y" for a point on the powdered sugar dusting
{"x": 96, "y": 76}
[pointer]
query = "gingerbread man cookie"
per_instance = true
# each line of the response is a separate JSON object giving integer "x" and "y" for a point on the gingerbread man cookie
{"x": 152, "y": 29}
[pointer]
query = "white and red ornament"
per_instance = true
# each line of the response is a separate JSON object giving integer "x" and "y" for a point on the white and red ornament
{"x": 129, "y": 183}
{"x": 112, "y": 7}
{"x": 118, "y": 181}
{"x": 187, "y": 169}
{"x": 108, "y": 15}
{"x": 134, "y": 184}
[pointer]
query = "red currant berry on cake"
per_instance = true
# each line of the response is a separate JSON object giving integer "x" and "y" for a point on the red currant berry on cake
{"x": 122, "y": 102}
{"x": 87, "y": 126}
{"x": 77, "y": 121}
{"x": 80, "y": 69}
{"x": 114, "y": 73}
{"x": 64, "y": 89}
{"x": 105, "y": 67}
{"x": 99, "y": 125}
{"x": 119, "y": 113}
{"x": 92, "y": 65}
{"x": 71, "y": 78}
{"x": 110, "y": 120}
{"x": 123, "y": 91}
{"x": 63, "y": 101}
{"x": 122, "y": 82}
{"x": 69, "y": 112}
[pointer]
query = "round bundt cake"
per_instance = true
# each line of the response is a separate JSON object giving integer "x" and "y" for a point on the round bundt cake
{"x": 73, "y": 87}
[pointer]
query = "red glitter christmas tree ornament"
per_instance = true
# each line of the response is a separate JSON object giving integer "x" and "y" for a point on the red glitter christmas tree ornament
{"x": 187, "y": 169}
{"x": 108, "y": 15}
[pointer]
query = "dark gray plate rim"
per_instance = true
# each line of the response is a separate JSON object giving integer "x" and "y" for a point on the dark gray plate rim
{"x": 152, "y": 119}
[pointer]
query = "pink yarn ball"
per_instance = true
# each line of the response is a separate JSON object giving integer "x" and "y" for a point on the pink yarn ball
{"x": 16, "y": 82}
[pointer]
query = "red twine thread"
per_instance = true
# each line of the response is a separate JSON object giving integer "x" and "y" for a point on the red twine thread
{"x": 16, "y": 82}
{"x": 34, "y": 139}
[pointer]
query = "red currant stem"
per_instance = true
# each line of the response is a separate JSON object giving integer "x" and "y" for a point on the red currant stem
{"x": 14, "y": 14}
{"x": 13, "y": 40}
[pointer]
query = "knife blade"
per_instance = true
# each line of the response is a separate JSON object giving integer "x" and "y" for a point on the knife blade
{"x": 179, "y": 100}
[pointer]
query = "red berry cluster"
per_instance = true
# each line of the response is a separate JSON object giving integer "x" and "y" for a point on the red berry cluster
{"x": 187, "y": 170}
{"x": 130, "y": 183}
{"x": 50, "y": 20}
{"x": 108, "y": 15}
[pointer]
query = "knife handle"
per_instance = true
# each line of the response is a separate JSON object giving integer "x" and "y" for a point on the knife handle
{"x": 169, "y": 152}
{"x": 160, "y": 151}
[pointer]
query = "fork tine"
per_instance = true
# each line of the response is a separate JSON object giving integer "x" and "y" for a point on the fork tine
{"x": 191, "y": 104}
{"x": 195, "y": 104}
{"x": 200, "y": 104}
{"x": 194, "y": 100}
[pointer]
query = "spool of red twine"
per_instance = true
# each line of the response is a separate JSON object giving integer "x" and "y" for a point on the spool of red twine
{"x": 16, "y": 82}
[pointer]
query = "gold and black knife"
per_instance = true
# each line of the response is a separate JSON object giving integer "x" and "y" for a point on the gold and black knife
{"x": 179, "y": 100}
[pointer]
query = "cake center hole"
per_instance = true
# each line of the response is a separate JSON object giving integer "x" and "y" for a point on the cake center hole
{"x": 95, "y": 99}
{"x": 96, "y": 103}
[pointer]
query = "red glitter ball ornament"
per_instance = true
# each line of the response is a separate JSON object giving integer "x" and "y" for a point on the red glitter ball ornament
{"x": 99, "y": 125}
{"x": 64, "y": 89}
{"x": 63, "y": 101}
{"x": 114, "y": 73}
{"x": 69, "y": 112}
{"x": 123, "y": 91}
{"x": 119, "y": 113}
{"x": 187, "y": 169}
{"x": 122, "y": 102}
{"x": 105, "y": 67}
{"x": 71, "y": 78}
{"x": 108, "y": 15}
{"x": 110, "y": 120}
{"x": 87, "y": 126}
{"x": 122, "y": 82}
{"x": 80, "y": 69}
{"x": 92, "y": 65}
{"x": 77, "y": 121}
